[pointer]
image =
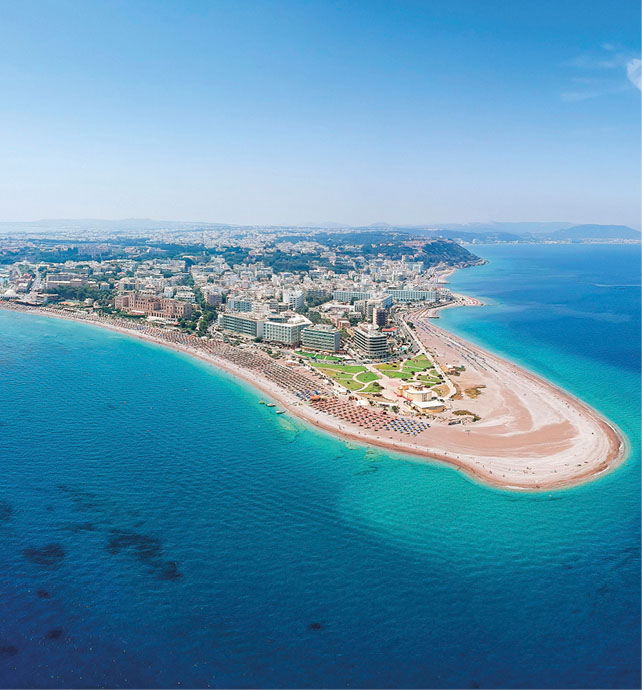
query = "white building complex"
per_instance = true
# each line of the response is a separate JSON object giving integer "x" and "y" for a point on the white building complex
{"x": 350, "y": 295}
{"x": 413, "y": 295}
{"x": 321, "y": 337}
{"x": 284, "y": 329}
{"x": 278, "y": 328}
{"x": 245, "y": 323}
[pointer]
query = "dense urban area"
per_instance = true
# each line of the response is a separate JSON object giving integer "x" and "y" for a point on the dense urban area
{"x": 334, "y": 303}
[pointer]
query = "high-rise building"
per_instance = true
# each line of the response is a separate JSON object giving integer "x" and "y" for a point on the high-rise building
{"x": 285, "y": 330}
{"x": 361, "y": 306}
{"x": 272, "y": 327}
{"x": 321, "y": 337}
{"x": 245, "y": 324}
{"x": 371, "y": 341}
{"x": 379, "y": 317}
{"x": 295, "y": 299}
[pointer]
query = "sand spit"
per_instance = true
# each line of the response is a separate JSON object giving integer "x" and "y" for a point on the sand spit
{"x": 531, "y": 435}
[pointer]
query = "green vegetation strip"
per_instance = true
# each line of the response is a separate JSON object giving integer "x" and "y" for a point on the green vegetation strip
{"x": 348, "y": 368}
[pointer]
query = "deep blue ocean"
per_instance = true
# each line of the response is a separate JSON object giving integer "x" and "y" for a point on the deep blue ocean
{"x": 160, "y": 528}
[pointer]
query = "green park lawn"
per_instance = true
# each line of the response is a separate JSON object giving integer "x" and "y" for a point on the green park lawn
{"x": 350, "y": 384}
{"x": 417, "y": 364}
{"x": 429, "y": 380}
{"x": 366, "y": 377}
{"x": 405, "y": 370}
{"x": 389, "y": 366}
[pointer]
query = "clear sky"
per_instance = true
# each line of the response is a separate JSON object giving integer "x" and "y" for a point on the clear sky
{"x": 293, "y": 111}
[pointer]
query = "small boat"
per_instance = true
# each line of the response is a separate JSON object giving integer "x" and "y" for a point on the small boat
{"x": 270, "y": 405}
{"x": 280, "y": 411}
{"x": 261, "y": 402}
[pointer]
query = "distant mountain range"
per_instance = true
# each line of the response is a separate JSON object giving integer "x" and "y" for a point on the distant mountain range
{"x": 503, "y": 232}
{"x": 519, "y": 229}
{"x": 597, "y": 232}
{"x": 521, "y": 232}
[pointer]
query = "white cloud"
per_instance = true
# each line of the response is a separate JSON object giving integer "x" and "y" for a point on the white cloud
{"x": 634, "y": 72}
{"x": 602, "y": 73}
{"x": 574, "y": 96}
{"x": 596, "y": 63}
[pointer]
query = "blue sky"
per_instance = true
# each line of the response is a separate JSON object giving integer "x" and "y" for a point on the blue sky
{"x": 299, "y": 111}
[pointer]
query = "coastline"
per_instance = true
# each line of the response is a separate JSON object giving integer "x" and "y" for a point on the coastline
{"x": 617, "y": 441}
{"x": 477, "y": 466}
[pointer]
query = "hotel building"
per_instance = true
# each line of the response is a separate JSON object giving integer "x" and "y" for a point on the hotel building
{"x": 284, "y": 330}
{"x": 54, "y": 280}
{"x": 246, "y": 324}
{"x": 272, "y": 328}
{"x": 371, "y": 341}
{"x": 349, "y": 295}
{"x": 413, "y": 295}
{"x": 321, "y": 337}
{"x": 149, "y": 305}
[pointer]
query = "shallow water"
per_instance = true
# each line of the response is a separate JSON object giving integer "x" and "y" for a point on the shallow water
{"x": 159, "y": 527}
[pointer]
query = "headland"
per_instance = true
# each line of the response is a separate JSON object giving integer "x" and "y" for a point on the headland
{"x": 514, "y": 430}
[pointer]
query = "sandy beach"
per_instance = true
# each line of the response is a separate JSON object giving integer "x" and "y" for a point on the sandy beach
{"x": 531, "y": 435}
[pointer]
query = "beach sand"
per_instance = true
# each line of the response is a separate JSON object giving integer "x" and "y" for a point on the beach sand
{"x": 531, "y": 436}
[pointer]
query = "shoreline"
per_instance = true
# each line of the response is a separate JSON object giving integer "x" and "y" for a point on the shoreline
{"x": 470, "y": 464}
{"x": 619, "y": 443}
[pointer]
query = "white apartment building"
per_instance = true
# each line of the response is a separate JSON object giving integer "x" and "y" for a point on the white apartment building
{"x": 285, "y": 330}
{"x": 295, "y": 299}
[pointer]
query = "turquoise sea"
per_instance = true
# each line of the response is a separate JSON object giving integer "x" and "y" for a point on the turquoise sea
{"x": 160, "y": 528}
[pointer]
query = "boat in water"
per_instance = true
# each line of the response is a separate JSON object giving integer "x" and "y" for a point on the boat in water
{"x": 280, "y": 411}
{"x": 270, "y": 405}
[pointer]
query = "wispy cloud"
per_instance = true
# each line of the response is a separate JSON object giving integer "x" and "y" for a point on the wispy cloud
{"x": 602, "y": 72}
{"x": 634, "y": 72}
{"x": 596, "y": 62}
{"x": 587, "y": 94}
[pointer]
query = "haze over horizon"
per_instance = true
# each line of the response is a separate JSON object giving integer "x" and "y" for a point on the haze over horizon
{"x": 286, "y": 113}
{"x": 538, "y": 226}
